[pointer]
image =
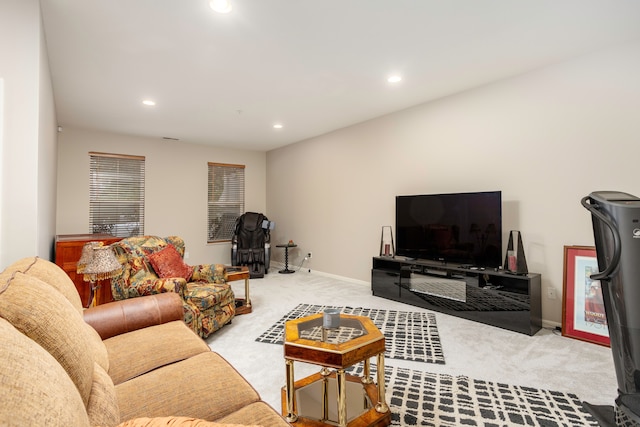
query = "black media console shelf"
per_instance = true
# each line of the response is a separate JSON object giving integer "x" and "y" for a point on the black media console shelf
{"x": 496, "y": 298}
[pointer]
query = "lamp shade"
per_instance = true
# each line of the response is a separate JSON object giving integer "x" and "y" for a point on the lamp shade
{"x": 102, "y": 265}
{"x": 86, "y": 256}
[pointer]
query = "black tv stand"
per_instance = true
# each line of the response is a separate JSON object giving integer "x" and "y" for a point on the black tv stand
{"x": 491, "y": 296}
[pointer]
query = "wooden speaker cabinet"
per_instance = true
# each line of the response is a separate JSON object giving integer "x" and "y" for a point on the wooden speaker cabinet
{"x": 68, "y": 251}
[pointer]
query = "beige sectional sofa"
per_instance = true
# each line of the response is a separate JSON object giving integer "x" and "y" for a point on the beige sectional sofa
{"x": 128, "y": 363}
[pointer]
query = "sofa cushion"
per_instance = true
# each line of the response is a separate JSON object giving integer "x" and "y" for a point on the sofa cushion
{"x": 177, "y": 343}
{"x": 207, "y": 295}
{"x": 35, "y": 389}
{"x": 103, "y": 404}
{"x": 204, "y": 386}
{"x": 49, "y": 273}
{"x": 147, "y": 283}
{"x": 168, "y": 263}
{"x": 131, "y": 253}
{"x": 55, "y": 276}
{"x": 176, "y": 422}
{"x": 256, "y": 413}
{"x": 97, "y": 348}
{"x": 47, "y": 317}
{"x": 212, "y": 273}
{"x": 140, "y": 246}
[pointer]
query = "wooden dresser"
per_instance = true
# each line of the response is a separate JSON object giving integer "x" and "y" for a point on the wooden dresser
{"x": 68, "y": 251}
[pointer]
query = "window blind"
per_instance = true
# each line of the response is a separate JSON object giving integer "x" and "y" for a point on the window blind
{"x": 225, "y": 200}
{"x": 116, "y": 194}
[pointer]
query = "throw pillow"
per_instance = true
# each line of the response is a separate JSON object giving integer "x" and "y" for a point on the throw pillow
{"x": 168, "y": 263}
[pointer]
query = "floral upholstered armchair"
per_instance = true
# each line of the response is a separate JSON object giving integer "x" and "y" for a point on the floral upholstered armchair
{"x": 152, "y": 265}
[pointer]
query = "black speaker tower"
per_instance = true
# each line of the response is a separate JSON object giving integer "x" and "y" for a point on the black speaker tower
{"x": 515, "y": 261}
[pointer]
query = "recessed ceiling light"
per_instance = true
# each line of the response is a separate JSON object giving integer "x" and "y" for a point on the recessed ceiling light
{"x": 394, "y": 79}
{"x": 278, "y": 126}
{"x": 149, "y": 102}
{"x": 221, "y": 6}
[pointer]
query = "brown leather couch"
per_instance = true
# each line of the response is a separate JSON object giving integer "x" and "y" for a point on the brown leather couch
{"x": 127, "y": 363}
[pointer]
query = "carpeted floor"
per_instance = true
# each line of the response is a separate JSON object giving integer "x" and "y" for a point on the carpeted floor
{"x": 419, "y": 398}
{"x": 408, "y": 335}
{"x": 489, "y": 355}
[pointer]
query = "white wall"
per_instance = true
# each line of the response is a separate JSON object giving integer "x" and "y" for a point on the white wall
{"x": 1, "y": 163}
{"x": 175, "y": 184}
{"x": 545, "y": 139}
{"x": 46, "y": 160}
{"x": 28, "y": 162}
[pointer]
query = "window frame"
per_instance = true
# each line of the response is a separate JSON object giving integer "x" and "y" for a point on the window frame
{"x": 128, "y": 212}
{"x": 221, "y": 215}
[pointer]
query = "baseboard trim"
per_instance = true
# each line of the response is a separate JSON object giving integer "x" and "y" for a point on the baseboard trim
{"x": 275, "y": 266}
{"x": 550, "y": 324}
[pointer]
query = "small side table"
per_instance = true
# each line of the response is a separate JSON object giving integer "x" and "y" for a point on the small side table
{"x": 357, "y": 401}
{"x": 243, "y": 305}
{"x": 286, "y": 257}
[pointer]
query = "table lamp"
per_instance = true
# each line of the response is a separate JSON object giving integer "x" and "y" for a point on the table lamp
{"x": 97, "y": 262}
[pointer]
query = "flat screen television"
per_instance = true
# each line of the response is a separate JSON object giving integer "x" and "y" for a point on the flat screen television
{"x": 463, "y": 228}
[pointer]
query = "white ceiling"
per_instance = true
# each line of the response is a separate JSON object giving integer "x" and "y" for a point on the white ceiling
{"x": 312, "y": 65}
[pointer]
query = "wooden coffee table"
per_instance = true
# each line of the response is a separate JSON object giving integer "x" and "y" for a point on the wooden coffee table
{"x": 307, "y": 402}
{"x": 243, "y": 305}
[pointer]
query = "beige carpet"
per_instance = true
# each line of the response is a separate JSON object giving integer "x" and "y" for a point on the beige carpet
{"x": 545, "y": 361}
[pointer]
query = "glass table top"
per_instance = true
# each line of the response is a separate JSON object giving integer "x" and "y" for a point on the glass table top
{"x": 355, "y": 339}
{"x": 348, "y": 330}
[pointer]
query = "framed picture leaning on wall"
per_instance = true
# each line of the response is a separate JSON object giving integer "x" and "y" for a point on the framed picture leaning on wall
{"x": 583, "y": 315}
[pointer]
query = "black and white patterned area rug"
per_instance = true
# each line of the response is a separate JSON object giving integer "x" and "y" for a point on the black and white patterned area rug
{"x": 408, "y": 335}
{"x": 419, "y": 398}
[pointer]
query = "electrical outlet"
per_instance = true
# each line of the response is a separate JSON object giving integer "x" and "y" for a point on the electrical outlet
{"x": 186, "y": 255}
{"x": 308, "y": 254}
{"x": 551, "y": 293}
